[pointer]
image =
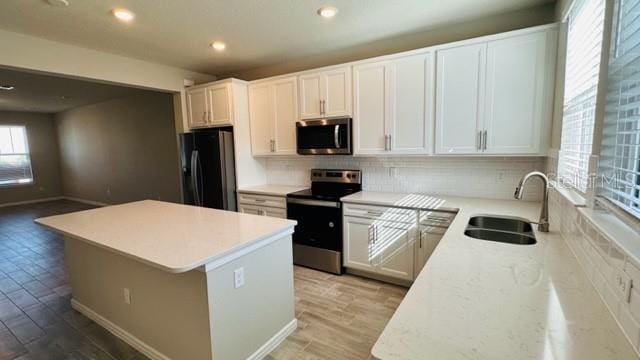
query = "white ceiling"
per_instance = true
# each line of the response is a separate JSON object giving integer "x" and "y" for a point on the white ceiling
{"x": 257, "y": 32}
{"x": 44, "y": 93}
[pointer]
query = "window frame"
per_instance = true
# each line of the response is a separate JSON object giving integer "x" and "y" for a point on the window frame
{"x": 28, "y": 154}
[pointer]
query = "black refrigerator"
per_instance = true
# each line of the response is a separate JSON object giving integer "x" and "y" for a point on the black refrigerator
{"x": 208, "y": 169}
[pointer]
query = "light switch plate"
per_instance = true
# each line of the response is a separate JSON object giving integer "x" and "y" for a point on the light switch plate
{"x": 238, "y": 277}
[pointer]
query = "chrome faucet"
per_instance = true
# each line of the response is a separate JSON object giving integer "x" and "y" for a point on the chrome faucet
{"x": 543, "y": 223}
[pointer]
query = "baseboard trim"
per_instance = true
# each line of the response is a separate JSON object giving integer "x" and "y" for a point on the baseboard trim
{"x": 32, "y": 201}
{"x": 89, "y": 202}
{"x": 125, "y": 336}
{"x": 276, "y": 340}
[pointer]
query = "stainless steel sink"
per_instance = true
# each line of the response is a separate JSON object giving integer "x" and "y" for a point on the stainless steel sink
{"x": 500, "y": 223}
{"x": 506, "y": 237}
{"x": 501, "y": 229}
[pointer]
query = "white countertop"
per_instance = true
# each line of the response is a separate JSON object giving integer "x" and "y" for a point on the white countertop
{"x": 173, "y": 237}
{"x": 275, "y": 190}
{"x": 479, "y": 299}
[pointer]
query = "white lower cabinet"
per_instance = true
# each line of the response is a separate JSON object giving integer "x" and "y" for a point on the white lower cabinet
{"x": 389, "y": 241}
{"x": 379, "y": 247}
{"x": 262, "y": 205}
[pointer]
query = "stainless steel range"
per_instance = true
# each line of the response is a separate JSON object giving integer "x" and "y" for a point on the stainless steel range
{"x": 317, "y": 240}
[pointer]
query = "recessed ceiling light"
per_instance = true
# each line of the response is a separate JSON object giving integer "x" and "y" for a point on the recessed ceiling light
{"x": 327, "y": 11}
{"x": 58, "y": 2}
{"x": 218, "y": 45}
{"x": 123, "y": 14}
{"x": 6, "y": 87}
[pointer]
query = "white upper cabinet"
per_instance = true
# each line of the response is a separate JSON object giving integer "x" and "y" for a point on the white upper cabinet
{"x": 197, "y": 108}
{"x": 515, "y": 94}
{"x": 495, "y": 97}
{"x": 285, "y": 106}
{"x": 273, "y": 109}
{"x": 220, "y": 104}
{"x": 392, "y": 102}
{"x": 325, "y": 93}
{"x": 210, "y": 105}
{"x": 459, "y": 94}
{"x": 371, "y": 108}
{"x": 260, "y": 118}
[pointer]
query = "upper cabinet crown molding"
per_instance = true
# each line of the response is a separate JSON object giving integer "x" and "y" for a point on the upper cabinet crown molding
{"x": 325, "y": 93}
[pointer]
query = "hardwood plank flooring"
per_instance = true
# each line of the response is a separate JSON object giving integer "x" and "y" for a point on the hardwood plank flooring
{"x": 339, "y": 317}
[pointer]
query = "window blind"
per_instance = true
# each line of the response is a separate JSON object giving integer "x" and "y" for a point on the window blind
{"x": 15, "y": 161}
{"x": 619, "y": 165}
{"x": 584, "y": 46}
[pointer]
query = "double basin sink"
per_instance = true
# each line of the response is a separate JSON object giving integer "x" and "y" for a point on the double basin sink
{"x": 502, "y": 229}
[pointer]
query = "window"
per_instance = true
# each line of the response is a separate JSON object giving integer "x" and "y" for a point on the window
{"x": 15, "y": 161}
{"x": 584, "y": 47}
{"x": 619, "y": 165}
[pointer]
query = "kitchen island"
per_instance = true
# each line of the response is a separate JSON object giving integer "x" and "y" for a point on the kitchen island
{"x": 182, "y": 282}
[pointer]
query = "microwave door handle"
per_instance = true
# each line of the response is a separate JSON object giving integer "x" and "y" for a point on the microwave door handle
{"x": 336, "y": 136}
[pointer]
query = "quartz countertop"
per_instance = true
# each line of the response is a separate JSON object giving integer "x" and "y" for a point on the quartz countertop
{"x": 479, "y": 299}
{"x": 173, "y": 237}
{"x": 272, "y": 189}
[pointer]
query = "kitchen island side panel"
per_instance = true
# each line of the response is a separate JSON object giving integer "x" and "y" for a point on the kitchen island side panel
{"x": 252, "y": 316}
{"x": 168, "y": 312}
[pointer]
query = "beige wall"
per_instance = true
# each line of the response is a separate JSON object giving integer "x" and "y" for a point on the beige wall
{"x": 469, "y": 29}
{"x": 43, "y": 145}
{"x": 120, "y": 150}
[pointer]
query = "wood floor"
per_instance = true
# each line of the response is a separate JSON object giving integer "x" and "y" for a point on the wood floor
{"x": 339, "y": 317}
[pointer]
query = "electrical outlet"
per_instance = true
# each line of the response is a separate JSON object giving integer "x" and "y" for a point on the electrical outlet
{"x": 238, "y": 277}
{"x": 500, "y": 176}
{"x": 127, "y": 296}
{"x": 623, "y": 285}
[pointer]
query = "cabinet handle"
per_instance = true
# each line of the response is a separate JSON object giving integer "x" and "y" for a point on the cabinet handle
{"x": 273, "y": 145}
{"x": 390, "y": 142}
{"x": 484, "y": 141}
{"x": 386, "y": 143}
{"x": 479, "y": 140}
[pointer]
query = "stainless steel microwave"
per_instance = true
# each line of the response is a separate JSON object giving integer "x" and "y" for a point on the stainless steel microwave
{"x": 324, "y": 136}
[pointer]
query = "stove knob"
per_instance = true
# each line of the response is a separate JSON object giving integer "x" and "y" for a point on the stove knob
{"x": 331, "y": 225}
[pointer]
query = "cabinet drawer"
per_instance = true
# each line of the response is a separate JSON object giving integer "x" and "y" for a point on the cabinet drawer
{"x": 431, "y": 218}
{"x": 382, "y": 213}
{"x": 263, "y": 211}
{"x": 262, "y": 200}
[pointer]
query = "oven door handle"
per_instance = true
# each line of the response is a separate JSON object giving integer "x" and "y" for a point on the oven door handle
{"x": 336, "y": 136}
{"x": 331, "y": 204}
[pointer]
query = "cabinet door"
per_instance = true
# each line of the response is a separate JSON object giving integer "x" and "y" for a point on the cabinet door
{"x": 392, "y": 251}
{"x": 260, "y": 118}
{"x": 220, "y": 105}
{"x": 310, "y": 95}
{"x": 336, "y": 86}
{"x": 358, "y": 235}
{"x": 428, "y": 239}
{"x": 371, "y": 107}
{"x": 197, "y": 107}
{"x": 285, "y": 104}
{"x": 459, "y": 98}
{"x": 516, "y": 73}
{"x": 411, "y": 98}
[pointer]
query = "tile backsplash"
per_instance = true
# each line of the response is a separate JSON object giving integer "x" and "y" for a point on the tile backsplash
{"x": 460, "y": 176}
{"x": 609, "y": 267}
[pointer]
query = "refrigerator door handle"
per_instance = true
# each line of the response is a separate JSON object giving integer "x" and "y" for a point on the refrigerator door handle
{"x": 223, "y": 167}
{"x": 195, "y": 174}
